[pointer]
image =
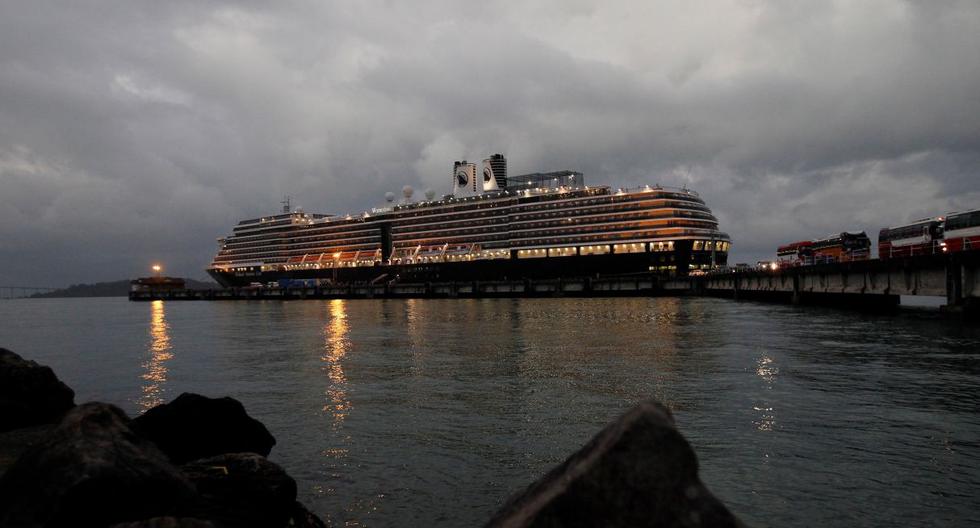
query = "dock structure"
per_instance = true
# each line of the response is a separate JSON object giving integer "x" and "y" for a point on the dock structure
{"x": 643, "y": 285}
{"x": 955, "y": 276}
{"x": 867, "y": 283}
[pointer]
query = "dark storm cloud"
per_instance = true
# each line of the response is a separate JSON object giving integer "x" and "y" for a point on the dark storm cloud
{"x": 141, "y": 131}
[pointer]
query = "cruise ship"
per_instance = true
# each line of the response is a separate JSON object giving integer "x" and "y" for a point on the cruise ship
{"x": 494, "y": 227}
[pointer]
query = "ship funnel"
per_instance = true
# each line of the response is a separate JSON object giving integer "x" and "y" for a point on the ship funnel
{"x": 464, "y": 179}
{"x": 494, "y": 172}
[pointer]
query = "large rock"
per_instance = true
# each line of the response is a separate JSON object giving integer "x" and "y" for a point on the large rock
{"x": 303, "y": 518}
{"x": 638, "y": 471}
{"x": 194, "y": 426}
{"x": 242, "y": 489}
{"x": 30, "y": 394}
{"x": 91, "y": 471}
{"x": 15, "y": 443}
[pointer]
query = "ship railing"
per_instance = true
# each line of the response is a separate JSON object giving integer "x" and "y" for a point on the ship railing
{"x": 657, "y": 187}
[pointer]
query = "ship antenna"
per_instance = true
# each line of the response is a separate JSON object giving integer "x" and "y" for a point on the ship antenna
{"x": 285, "y": 203}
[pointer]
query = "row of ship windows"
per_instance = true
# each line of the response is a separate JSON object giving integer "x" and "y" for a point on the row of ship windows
{"x": 698, "y": 245}
{"x": 266, "y": 255}
{"x": 664, "y": 204}
{"x": 552, "y": 209}
{"x": 564, "y": 231}
{"x": 428, "y": 211}
{"x": 709, "y": 245}
{"x": 414, "y": 258}
{"x": 625, "y": 226}
{"x": 610, "y": 237}
{"x": 605, "y": 202}
{"x": 603, "y": 197}
{"x": 335, "y": 243}
{"x": 405, "y": 258}
{"x": 630, "y": 222}
{"x": 562, "y": 220}
{"x": 602, "y": 249}
{"x": 539, "y": 202}
{"x": 481, "y": 234}
{"x": 411, "y": 255}
{"x": 641, "y": 213}
{"x": 447, "y": 222}
{"x": 290, "y": 233}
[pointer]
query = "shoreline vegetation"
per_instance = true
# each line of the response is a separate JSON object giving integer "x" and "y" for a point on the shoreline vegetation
{"x": 199, "y": 462}
{"x": 118, "y": 288}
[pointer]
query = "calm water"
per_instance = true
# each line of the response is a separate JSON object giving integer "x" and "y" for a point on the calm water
{"x": 432, "y": 412}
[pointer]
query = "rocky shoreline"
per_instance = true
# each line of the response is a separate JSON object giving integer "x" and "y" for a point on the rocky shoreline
{"x": 199, "y": 462}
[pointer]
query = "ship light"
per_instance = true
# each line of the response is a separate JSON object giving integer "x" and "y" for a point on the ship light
{"x": 336, "y": 255}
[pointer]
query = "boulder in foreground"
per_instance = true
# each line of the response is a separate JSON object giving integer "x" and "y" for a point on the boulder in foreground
{"x": 91, "y": 471}
{"x": 638, "y": 471}
{"x": 242, "y": 489}
{"x": 30, "y": 394}
{"x": 194, "y": 426}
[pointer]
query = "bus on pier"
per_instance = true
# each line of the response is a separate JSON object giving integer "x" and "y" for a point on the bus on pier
{"x": 842, "y": 247}
{"x": 922, "y": 237}
{"x": 795, "y": 254}
{"x": 961, "y": 231}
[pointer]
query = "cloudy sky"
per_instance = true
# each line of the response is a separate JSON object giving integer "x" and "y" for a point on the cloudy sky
{"x": 134, "y": 132}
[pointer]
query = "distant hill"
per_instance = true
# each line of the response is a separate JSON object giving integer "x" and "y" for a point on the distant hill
{"x": 112, "y": 289}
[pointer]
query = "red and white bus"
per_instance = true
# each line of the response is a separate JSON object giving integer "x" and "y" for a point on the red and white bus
{"x": 922, "y": 237}
{"x": 794, "y": 254}
{"x": 961, "y": 231}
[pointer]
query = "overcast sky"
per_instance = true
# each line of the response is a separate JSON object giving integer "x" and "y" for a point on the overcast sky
{"x": 135, "y": 132}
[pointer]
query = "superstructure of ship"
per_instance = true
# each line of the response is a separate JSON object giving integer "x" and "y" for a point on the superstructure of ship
{"x": 494, "y": 227}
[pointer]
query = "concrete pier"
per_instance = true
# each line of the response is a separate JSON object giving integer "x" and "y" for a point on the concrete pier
{"x": 861, "y": 284}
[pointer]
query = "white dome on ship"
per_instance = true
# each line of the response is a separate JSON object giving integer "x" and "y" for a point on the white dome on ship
{"x": 389, "y": 197}
{"x": 430, "y": 194}
{"x": 407, "y": 192}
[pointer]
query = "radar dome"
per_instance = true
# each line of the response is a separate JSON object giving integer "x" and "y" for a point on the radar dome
{"x": 389, "y": 197}
{"x": 429, "y": 194}
{"x": 407, "y": 192}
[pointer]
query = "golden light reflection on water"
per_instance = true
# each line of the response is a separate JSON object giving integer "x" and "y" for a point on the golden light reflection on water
{"x": 766, "y": 370}
{"x": 336, "y": 345}
{"x": 155, "y": 368}
{"x": 416, "y": 335}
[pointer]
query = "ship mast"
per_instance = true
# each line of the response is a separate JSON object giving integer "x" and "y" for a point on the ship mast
{"x": 285, "y": 204}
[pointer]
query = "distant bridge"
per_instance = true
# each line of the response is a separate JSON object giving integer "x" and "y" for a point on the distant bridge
{"x": 20, "y": 292}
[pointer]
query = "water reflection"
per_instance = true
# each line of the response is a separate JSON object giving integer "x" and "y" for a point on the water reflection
{"x": 413, "y": 324}
{"x": 155, "y": 368}
{"x": 336, "y": 344}
{"x": 766, "y": 370}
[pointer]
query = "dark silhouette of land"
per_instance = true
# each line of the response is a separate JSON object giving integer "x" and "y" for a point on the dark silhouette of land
{"x": 118, "y": 288}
